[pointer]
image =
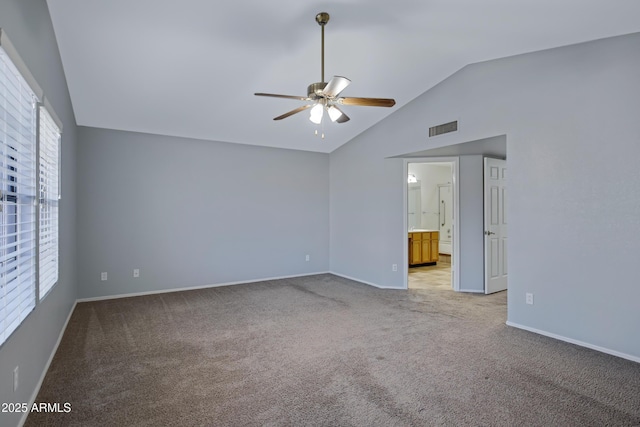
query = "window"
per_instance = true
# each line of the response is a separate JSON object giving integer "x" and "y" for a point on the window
{"x": 29, "y": 192}
{"x": 49, "y": 151}
{"x": 17, "y": 187}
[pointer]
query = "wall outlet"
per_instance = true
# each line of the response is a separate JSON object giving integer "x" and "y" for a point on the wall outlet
{"x": 394, "y": 267}
{"x": 307, "y": 258}
{"x": 15, "y": 378}
{"x": 136, "y": 272}
{"x": 529, "y": 298}
{"x": 103, "y": 276}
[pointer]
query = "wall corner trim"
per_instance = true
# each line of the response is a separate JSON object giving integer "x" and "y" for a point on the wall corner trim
{"x": 576, "y": 342}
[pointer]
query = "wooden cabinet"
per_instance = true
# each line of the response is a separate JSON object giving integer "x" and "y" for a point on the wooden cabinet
{"x": 415, "y": 250}
{"x": 435, "y": 248}
{"x": 423, "y": 247}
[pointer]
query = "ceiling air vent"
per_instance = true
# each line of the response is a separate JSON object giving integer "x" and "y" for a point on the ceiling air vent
{"x": 444, "y": 128}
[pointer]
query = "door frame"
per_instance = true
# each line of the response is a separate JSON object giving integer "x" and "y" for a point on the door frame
{"x": 455, "y": 188}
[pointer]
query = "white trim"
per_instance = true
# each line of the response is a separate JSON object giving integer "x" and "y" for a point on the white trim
{"x": 23, "y": 419}
{"x": 193, "y": 288}
{"x": 576, "y": 342}
{"x": 363, "y": 281}
{"x": 472, "y": 291}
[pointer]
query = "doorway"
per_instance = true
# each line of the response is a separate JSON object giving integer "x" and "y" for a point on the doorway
{"x": 431, "y": 219}
{"x": 468, "y": 228}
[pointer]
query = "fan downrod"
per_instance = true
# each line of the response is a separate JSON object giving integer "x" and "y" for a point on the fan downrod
{"x": 322, "y": 18}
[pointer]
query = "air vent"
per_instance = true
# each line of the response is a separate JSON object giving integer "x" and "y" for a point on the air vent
{"x": 444, "y": 128}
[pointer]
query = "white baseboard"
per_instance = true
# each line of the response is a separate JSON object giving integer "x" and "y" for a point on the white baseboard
{"x": 375, "y": 285}
{"x": 193, "y": 288}
{"x": 576, "y": 342}
{"x": 23, "y": 419}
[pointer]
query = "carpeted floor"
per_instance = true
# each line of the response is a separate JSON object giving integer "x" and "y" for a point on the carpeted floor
{"x": 326, "y": 351}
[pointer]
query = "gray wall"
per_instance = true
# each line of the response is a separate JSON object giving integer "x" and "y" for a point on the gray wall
{"x": 28, "y": 25}
{"x": 471, "y": 224}
{"x": 193, "y": 213}
{"x": 366, "y": 210}
{"x": 564, "y": 112}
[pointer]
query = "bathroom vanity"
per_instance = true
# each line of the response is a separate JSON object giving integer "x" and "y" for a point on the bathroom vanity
{"x": 423, "y": 247}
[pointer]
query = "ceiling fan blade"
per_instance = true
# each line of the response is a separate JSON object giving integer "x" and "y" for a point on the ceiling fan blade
{"x": 292, "y": 112}
{"x": 336, "y": 85}
{"x": 275, "y": 95}
{"x": 368, "y": 102}
{"x": 343, "y": 118}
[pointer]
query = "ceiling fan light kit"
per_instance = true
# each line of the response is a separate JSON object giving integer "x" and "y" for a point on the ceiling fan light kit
{"x": 326, "y": 95}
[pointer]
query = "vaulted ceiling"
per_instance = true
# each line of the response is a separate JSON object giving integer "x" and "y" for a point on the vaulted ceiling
{"x": 190, "y": 68}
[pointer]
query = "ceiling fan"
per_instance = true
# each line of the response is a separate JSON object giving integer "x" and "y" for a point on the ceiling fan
{"x": 325, "y": 95}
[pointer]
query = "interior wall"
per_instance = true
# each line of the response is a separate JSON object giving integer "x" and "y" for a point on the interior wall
{"x": 563, "y": 111}
{"x": 367, "y": 231}
{"x": 471, "y": 224}
{"x": 191, "y": 213}
{"x": 28, "y": 25}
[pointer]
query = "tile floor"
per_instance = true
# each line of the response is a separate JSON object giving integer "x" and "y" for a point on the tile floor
{"x": 429, "y": 277}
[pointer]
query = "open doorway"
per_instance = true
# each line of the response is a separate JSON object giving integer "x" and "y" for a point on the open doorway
{"x": 468, "y": 271}
{"x": 431, "y": 216}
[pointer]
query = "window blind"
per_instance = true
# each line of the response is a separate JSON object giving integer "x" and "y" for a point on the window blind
{"x": 17, "y": 197}
{"x": 48, "y": 173}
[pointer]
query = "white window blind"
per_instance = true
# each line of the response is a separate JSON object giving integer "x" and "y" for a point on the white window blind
{"x": 17, "y": 199}
{"x": 48, "y": 172}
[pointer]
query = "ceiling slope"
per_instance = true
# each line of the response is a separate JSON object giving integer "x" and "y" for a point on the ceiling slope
{"x": 190, "y": 68}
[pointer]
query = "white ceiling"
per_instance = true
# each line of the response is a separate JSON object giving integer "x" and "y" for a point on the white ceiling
{"x": 189, "y": 68}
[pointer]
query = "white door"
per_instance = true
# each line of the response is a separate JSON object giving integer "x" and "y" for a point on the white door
{"x": 495, "y": 225}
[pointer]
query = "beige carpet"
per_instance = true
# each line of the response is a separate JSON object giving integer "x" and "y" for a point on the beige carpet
{"x": 326, "y": 351}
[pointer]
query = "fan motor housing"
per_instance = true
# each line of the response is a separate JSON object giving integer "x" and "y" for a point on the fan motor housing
{"x": 315, "y": 89}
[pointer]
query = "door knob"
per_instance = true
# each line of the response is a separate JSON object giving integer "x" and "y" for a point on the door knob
{"x": 488, "y": 233}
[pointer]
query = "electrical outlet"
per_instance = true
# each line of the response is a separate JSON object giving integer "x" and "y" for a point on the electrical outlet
{"x": 103, "y": 276}
{"x": 394, "y": 267}
{"x": 529, "y": 298}
{"x": 307, "y": 258}
{"x": 136, "y": 272}
{"x": 15, "y": 378}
